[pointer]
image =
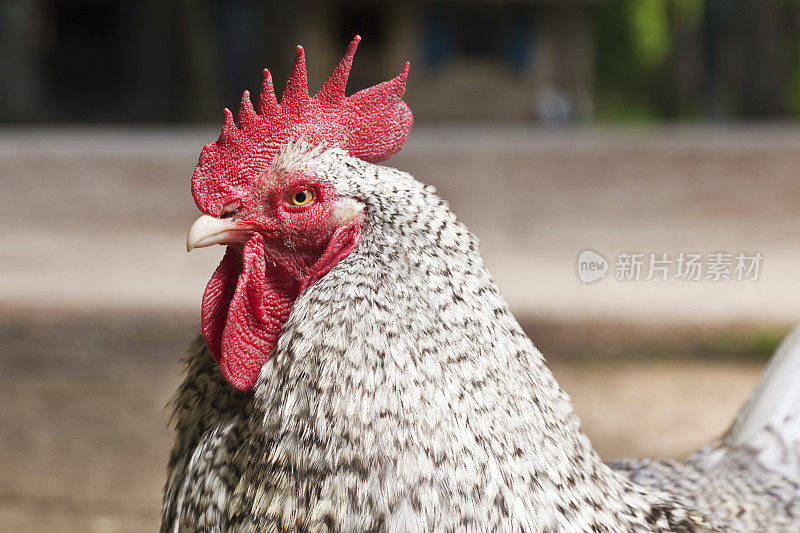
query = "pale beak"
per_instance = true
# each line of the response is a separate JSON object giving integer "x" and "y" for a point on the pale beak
{"x": 208, "y": 230}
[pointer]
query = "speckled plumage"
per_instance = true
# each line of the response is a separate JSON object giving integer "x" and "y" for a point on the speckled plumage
{"x": 403, "y": 396}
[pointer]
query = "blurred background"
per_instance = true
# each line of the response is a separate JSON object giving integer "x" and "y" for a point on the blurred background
{"x": 552, "y": 127}
{"x": 544, "y": 61}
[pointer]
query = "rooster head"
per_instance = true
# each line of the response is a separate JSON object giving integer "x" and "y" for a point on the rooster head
{"x": 284, "y": 227}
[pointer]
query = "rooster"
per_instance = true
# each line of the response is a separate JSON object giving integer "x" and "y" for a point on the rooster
{"x": 359, "y": 369}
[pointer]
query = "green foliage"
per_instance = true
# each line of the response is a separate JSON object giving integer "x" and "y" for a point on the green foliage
{"x": 691, "y": 11}
{"x": 615, "y": 57}
{"x": 633, "y": 40}
{"x": 649, "y": 22}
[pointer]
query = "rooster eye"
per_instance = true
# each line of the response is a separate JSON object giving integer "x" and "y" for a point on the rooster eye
{"x": 230, "y": 212}
{"x": 300, "y": 198}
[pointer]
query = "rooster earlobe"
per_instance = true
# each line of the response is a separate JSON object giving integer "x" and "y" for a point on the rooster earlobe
{"x": 333, "y": 90}
{"x": 295, "y": 94}
{"x": 267, "y": 103}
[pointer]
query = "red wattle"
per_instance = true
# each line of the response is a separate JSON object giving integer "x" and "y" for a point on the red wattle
{"x": 248, "y": 299}
{"x": 217, "y": 298}
{"x": 253, "y": 313}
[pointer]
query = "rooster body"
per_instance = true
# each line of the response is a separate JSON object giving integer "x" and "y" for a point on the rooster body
{"x": 402, "y": 395}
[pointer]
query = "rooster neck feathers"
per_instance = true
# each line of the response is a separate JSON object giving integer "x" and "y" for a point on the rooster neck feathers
{"x": 450, "y": 414}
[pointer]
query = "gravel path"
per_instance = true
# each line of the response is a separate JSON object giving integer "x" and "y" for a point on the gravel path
{"x": 96, "y": 219}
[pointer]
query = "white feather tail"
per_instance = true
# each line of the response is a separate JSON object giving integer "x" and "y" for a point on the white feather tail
{"x": 769, "y": 423}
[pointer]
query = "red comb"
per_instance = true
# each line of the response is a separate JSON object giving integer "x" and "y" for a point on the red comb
{"x": 372, "y": 125}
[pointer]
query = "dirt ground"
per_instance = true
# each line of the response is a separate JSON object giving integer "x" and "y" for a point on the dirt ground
{"x": 98, "y": 298}
{"x": 84, "y": 436}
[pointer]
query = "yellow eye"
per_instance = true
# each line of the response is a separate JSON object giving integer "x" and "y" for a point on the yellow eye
{"x": 300, "y": 198}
